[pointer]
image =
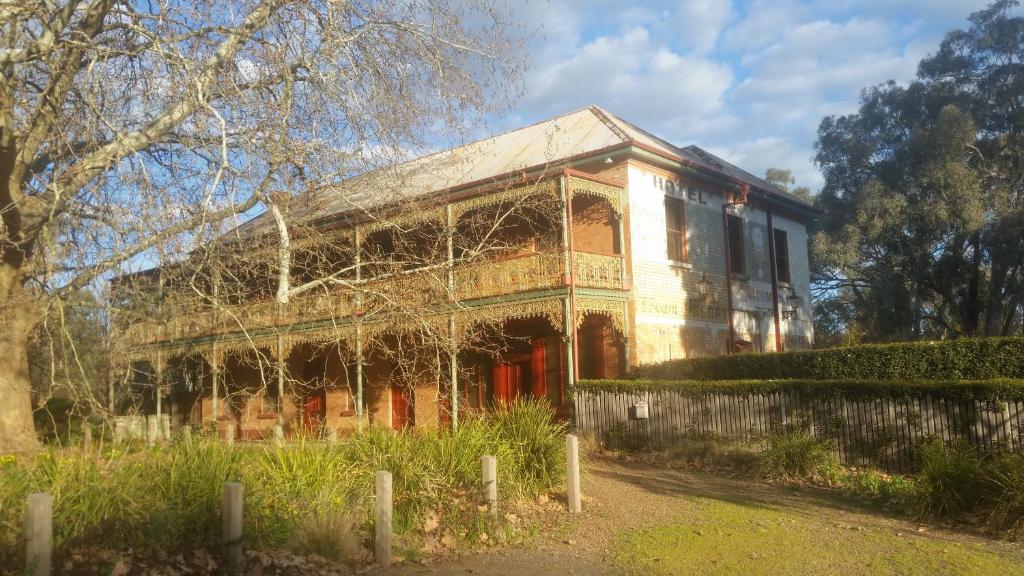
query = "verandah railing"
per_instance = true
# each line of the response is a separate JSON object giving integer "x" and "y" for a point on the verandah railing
{"x": 478, "y": 280}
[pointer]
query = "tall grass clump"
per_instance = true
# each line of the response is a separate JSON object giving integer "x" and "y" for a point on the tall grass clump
{"x": 949, "y": 479}
{"x": 954, "y": 480}
{"x": 797, "y": 455}
{"x": 1006, "y": 479}
{"x": 309, "y": 496}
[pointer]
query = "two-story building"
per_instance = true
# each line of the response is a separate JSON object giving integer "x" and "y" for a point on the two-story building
{"x": 512, "y": 266}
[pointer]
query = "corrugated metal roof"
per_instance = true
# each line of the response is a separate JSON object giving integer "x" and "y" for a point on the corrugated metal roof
{"x": 547, "y": 142}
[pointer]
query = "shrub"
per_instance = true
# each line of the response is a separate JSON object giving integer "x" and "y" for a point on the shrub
{"x": 1005, "y": 478}
{"x": 312, "y": 496}
{"x": 949, "y": 479}
{"x": 961, "y": 359}
{"x": 799, "y": 456}
{"x": 991, "y": 390}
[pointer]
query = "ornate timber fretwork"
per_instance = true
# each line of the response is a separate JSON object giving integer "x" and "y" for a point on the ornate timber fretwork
{"x": 551, "y": 309}
{"x": 518, "y": 193}
{"x": 404, "y": 220}
{"x": 614, "y": 310}
{"x": 584, "y": 187}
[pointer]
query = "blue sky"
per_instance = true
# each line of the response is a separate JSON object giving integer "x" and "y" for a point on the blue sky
{"x": 749, "y": 80}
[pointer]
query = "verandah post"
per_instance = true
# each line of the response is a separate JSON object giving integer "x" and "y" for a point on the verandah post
{"x": 453, "y": 352}
{"x": 357, "y": 242}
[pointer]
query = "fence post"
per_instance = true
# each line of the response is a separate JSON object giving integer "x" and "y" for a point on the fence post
{"x": 278, "y": 435}
{"x": 332, "y": 435}
{"x": 231, "y": 523}
{"x": 186, "y": 433}
{"x": 229, "y": 434}
{"x": 490, "y": 474}
{"x": 87, "y": 438}
{"x": 572, "y": 456}
{"x": 39, "y": 534}
{"x": 382, "y": 537}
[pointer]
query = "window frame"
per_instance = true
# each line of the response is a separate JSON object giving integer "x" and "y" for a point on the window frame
{"x": 676, "y": 245}
{"x": 783, "y": 267}
{"x": 739, "y": 248}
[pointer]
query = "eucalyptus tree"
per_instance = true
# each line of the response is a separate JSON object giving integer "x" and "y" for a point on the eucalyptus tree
{"x": 924, "y": 192}
{"x": 132, "y": 133}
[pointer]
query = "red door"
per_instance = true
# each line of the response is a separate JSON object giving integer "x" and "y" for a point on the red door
{"x": 538, "y": 384}
{"x": 314, "y": 410}
{"x": 508, "y": 381}
{"x": 401, "y": 408}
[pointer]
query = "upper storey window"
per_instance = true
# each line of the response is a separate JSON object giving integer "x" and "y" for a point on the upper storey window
{"x": 675, "y": 228}
{"x": 737, "y": 261}
{"x": 781, "y": 255}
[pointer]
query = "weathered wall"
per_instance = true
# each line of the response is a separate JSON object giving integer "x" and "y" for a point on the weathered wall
{"x": 670, "y": 319}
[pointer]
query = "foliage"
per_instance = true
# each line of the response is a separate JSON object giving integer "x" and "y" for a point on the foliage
{"x": 797, "y": 455}
{"x": 955, "y": 480}
{"x": 924, "y": 195}
{"x": 964, "y": 358}
{"x": 1001, "y": 389}
{"x": 294, "y": 495}
{"x": 949, "y": 479}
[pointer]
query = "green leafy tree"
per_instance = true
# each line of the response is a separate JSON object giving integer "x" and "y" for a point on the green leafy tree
{"x": 924, "y": 193}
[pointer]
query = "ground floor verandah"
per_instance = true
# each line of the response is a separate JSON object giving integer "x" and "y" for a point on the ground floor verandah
{"x": 315, "y": 385}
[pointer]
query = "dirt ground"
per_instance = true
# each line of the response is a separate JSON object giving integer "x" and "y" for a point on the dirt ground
{"x": 621, "y": 498}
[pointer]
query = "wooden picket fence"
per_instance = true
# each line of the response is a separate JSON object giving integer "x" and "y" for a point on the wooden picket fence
{"x": 880, "y": 431}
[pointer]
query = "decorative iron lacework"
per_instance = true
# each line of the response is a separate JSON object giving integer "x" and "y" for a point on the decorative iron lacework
{"x": 547, "y": 187}
{"x": 403, "y": 220}
{"x": 551, "y": 309}
{"x": 612, "y": 194}
{"x": 614, "y": 310}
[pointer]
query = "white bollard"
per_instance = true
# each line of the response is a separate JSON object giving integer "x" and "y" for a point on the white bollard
{"x": 119, "y": 429}
{"x": 278, "y": 435}
{"x": 572, "y": 456}
{"x": 490, "y": 475}
{"x": 229, "y": 434}
{"x": 231, "y": 523}
{"x": 152, "y": 429}
{"x": 382, "y": 536}
{"x": 39, "y": 534}
{"x": 165, "y": 427}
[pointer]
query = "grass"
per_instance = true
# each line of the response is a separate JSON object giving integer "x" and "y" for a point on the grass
{"x": 799, "y": 456}
{"x": 309, "y": 496}
{"x": 716, "y": 537}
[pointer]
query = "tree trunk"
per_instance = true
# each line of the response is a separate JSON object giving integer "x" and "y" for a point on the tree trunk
{"x": 17, "y": 432}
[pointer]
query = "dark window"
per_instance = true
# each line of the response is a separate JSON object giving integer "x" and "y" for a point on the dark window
{"x": 675, "y": 227}
{"x": 736, "y": 247}
{"x": 781, "y": 255}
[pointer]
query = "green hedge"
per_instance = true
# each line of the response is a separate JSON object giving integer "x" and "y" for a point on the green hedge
{"x": 962, "y": 359}
{"x": 995, "y": 389}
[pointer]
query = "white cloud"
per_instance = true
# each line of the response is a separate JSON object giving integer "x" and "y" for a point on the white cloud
{"x": 633, "y": 76}
{"x": 750, "y": 79}
{"x": 756, "y": 156}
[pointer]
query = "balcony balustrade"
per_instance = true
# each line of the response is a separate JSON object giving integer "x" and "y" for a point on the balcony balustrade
{"x": 540, "y": 271}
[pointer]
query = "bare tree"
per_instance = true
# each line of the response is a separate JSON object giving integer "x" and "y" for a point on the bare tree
{"x": 132, "y": 134}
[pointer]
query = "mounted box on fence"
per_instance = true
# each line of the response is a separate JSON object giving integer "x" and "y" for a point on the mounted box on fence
{"x": 638, "y": 411}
